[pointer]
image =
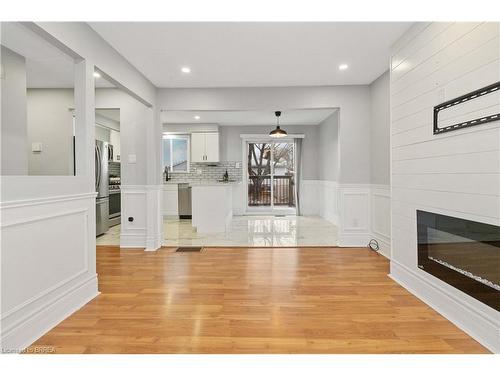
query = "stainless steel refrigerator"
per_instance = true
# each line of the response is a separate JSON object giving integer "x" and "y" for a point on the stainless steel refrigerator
{"x": 101, "y": 187}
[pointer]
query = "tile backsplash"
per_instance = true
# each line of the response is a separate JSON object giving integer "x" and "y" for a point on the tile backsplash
{"x": 209, "y": 172}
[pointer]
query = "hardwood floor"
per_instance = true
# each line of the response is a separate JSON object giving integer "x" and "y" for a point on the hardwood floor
{"x": 297, "y": 300}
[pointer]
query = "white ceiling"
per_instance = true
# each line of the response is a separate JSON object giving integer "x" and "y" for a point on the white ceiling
{"x": 240, "y": 118}
{"x": 46, "y": 65}
{"x": 109, "y": 114}
{"x": 247, "y": 54}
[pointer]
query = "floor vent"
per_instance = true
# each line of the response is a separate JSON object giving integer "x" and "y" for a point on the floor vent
{"x": 188, "y": 249}
{"x": 279, "y": 215}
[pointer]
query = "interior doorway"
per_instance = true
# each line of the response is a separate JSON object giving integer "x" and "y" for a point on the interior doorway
{"x": 271, "y": 177}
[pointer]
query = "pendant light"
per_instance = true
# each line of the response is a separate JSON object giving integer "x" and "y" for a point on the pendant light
{"x": 278, "y": 132}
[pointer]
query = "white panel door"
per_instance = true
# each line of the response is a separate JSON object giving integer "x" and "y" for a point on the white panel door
{"x": 212, "y": 147}
{"x": 198, "y": 147}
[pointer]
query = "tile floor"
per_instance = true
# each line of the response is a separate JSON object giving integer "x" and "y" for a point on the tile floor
{"x": 111, "y": 237}
{"x": 256, "y": 231}
{"x": 245, "y": 231}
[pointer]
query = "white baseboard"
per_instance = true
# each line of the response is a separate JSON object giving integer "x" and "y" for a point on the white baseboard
{"x": 132, "y": 240}
{"x": 384, "y": 245}
{"x": 153, "y": 243}
{"x": 354, "y": 240}
{"x": 38, "y": 324}
{"x": 143, "y": 203}
{"x": 482, "y": 328}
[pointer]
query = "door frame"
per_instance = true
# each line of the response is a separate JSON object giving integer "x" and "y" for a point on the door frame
{"x": 264, "y": 138}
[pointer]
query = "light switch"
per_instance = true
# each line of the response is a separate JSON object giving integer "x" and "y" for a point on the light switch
{"x": 36, "y": 147}
{"x": 132, "y": 158}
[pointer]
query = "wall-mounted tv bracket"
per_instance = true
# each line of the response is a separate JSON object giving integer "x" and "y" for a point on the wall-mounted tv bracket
{"x": 462, "y": 99}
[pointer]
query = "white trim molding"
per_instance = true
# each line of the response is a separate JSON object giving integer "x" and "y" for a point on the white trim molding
{"x": 354, "y": 208}
{"x": 28, "y": 330}
{"x": 54, "y": 240}
{"x": 380, "y": 203}
{"x": 267, "y": 137}
{"x": 154, "y": 219}
{"x": 360, "y": 211}
{"x": 45, "y": 200}
{"x": 143, "y": 203}
{"x": 457, "y": 310}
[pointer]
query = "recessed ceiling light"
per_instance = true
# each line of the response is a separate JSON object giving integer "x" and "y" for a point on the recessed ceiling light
{"x": 343, "y": 66}
{"x": 197, "y": 117}
{"x": 97, "y": 75}
{"x": 186, "y": 69}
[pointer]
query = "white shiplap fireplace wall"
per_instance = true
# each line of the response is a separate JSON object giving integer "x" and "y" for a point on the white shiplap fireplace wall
{"x": 455, "y": 173}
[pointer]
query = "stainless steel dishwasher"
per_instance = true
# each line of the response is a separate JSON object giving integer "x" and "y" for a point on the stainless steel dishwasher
{"x": 184, "y": 198}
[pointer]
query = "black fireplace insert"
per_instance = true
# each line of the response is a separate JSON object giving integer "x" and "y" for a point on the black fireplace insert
{"x": 462, "y": 253}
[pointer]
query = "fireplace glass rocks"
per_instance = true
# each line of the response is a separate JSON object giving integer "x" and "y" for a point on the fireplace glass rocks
{"x": 462, "y": 253}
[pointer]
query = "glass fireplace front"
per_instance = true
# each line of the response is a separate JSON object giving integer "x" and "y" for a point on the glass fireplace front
{"x": 462, "y": 253}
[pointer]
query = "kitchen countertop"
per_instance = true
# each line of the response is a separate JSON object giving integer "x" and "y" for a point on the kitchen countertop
{"x": 202, "y": 183}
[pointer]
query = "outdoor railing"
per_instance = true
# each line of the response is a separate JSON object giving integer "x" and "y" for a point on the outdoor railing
{"x": 259, "y": 191}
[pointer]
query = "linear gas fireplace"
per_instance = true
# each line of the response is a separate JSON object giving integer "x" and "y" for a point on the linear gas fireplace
{"x": 462, "y": 253}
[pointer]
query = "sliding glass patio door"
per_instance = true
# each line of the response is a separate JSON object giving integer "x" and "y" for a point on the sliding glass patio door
{"x": 270, "y": 176}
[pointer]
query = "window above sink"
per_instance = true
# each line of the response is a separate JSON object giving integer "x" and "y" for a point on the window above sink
{"x": 176, "y": 153}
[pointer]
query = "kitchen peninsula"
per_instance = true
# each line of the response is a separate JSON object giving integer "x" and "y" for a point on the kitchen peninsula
{"x": 211, "y": 203}
{"x": 212, "y": 206}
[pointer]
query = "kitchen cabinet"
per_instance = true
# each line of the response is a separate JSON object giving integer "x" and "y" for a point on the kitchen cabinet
{"x": 205, "y": 147}
{"x": 212, "y": 207}
{"x": 170, "y": 200}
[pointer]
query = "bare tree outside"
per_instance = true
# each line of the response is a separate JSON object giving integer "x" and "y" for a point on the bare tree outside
{"x": 259, "y": 173}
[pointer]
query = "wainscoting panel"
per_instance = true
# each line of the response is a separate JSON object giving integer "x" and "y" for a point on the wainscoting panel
{"x": 361, "y": 211}
{"x": 154, "y": 222}
{"x": 354, "y": 204}
{"x": 310, "y": 198}
{"x": 48, "y": 264}
{"x": 329, "y": 197}
{"x": 133, "y": 233}
{"x": 142, "y": 203}
{"x": 381, "y": 217}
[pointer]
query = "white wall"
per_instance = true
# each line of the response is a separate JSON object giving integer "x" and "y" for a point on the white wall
{"x": 328, "y": 148}
{"x": 455, "y": 173}
{"x": 380, "y": 131}
{"x": 231, "y": 144}
{"x": 354, "y": 113}
{"x": 14, "y": 130}
{"x": 341, "y": 203}
{"x": 48, "y": 222}
{"x": 135, "y": 118}
{"x": 50, "y": 121}
{"x": 102, "y": 134}
{"x": 380, "y": 195}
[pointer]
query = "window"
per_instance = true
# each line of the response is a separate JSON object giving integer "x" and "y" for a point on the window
{"x": 176, "y": 153}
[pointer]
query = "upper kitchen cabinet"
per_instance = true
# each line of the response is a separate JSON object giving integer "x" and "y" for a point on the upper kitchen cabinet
{"x": 205, "y": 147}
